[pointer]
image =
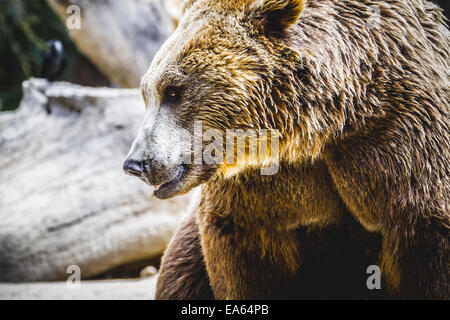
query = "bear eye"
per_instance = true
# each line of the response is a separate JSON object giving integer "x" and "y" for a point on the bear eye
{"x": 172, "y": 94}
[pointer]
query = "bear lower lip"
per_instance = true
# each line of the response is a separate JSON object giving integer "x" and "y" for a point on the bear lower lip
{"x": 166, "y": 187}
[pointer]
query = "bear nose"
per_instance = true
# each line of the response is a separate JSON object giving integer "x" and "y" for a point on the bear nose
{"x": 134, "y": 167}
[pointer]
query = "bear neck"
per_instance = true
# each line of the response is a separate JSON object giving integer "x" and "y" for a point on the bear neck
{"x": 248, "y": 199}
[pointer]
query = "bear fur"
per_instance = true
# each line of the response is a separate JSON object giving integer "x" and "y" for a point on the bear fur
{"x": 361, "y": 101}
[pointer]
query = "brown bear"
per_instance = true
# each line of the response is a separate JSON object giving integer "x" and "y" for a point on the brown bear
{"x": 358, "y": 93}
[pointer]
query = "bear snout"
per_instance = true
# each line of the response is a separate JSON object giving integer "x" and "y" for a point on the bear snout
{"x": 152, "y": 172}
{"x": 133, "y": 167}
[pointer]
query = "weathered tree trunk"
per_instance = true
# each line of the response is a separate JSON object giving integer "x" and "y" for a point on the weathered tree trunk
{"x": 64, "y": 199}
{"x": 119, "y": 37}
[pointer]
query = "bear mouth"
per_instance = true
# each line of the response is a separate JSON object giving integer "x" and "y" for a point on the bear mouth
{"x": 168, "y": 189}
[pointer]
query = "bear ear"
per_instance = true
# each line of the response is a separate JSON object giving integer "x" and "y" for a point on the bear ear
{"x": 279, "y": 15}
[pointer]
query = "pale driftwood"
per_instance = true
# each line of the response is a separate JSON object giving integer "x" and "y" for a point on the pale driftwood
{"x": 64, "y": 199}
{"x": 119, "y": 37}
{"x": 143, "y": 289}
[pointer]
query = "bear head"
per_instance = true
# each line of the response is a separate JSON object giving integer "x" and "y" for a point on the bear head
{"x": 305, "y": 71}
